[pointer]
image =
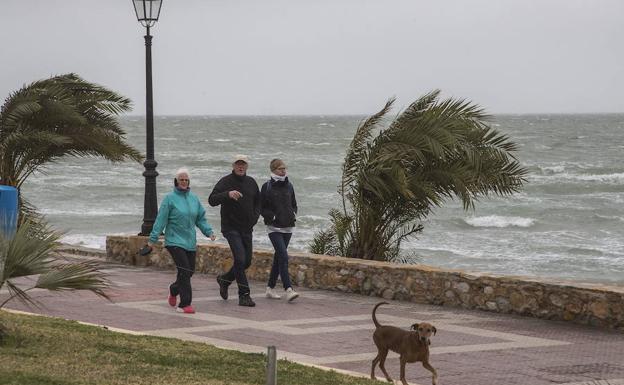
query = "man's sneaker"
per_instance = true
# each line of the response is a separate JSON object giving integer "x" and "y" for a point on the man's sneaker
{"x": 291, "y": 295}
{"x": 270, "y": 293}
{"x": 186, "y": 310}
{"x": 223, "y": 287}
{"x": 173, "y": 300}
{"x": 246, "y": 301}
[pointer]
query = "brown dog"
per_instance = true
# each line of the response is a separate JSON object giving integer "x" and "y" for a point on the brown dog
{"x": 412, "y": 346}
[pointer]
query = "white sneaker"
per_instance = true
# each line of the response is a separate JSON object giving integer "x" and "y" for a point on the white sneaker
{"x": 291, "y": 295}
{"x": 270, "y": 293}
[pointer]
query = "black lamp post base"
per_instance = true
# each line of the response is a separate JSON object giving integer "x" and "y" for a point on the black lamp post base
{"x": 150, "y": 204}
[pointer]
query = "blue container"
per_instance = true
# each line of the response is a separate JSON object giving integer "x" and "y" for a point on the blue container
{"x": 8, "y": 211}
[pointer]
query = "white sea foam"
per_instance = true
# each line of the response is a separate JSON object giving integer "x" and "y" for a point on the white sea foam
{"x": 618, "y": 177}
{"x": 313, "y": 217}
{"x": 312, "y": 177}
{"x": 499, "y": 221}
{"x": 222, "y": 140}
{"x": 552, "y": 169}
{"x": 85, "y": 240}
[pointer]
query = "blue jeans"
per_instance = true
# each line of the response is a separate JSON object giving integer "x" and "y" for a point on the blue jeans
{"x": 280, "y": 259}
{"x": 185, "y": 263}
{"x": 241, "y": 246}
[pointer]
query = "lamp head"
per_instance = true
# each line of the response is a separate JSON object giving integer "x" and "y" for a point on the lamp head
{"x": 147, "y": 11}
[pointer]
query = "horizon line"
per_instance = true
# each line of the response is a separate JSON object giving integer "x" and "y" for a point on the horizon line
{"x": 362, "y": 115}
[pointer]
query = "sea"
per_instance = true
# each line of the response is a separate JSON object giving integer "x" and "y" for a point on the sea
{"x": 566, "y": 223}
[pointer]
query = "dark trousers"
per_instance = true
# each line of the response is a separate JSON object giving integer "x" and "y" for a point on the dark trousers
{"x": 185, "y": 263}
{"x": 280, "y": 259}
{"x": 241, "y": 246}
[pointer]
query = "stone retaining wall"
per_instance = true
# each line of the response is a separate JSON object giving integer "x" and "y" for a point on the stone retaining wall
{"x": 580, "y": 303}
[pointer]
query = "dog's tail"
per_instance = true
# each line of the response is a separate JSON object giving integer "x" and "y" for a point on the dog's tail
{"x": 377, "y": 324}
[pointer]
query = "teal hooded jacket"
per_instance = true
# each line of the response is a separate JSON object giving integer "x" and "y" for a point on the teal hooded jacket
{"x": 178, "y": 215}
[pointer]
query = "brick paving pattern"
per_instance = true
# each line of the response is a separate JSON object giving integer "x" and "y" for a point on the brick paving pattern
{"x": 334, "y": 330}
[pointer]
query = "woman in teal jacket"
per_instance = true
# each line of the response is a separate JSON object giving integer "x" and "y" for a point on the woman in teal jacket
{"x": 178, "y": 215}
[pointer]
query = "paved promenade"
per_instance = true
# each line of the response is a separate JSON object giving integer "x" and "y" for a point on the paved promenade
{"x": 334, "y": 330}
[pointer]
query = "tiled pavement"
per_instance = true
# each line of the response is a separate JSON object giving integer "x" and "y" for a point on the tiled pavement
{"x": 334, "y": 330}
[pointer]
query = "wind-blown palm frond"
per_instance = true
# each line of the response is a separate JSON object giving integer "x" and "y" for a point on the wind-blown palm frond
{"x": 433, "y": 151}
{"x": 357, "y": 153}
{"x": 56, "y": 117}
{"x": 75, "y": 276}
{"x": 26, "y": 256}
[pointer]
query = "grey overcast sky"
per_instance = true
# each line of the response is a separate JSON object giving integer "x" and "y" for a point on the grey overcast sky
{"x": 214, "y": 57}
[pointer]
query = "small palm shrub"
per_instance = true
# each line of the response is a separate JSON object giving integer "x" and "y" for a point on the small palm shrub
{"x": 25, "y": 255}
{"x": 393, "y": 177}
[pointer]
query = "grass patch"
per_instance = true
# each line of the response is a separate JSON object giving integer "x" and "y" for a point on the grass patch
{"x": 52, "y": 351}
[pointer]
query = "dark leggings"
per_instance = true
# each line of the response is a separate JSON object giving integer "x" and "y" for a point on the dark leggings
{"x": 185, "y": 263}
{"x": 280, "y": 259}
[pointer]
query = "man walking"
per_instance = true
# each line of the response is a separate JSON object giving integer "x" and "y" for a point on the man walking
{"x": 239, "y": 197}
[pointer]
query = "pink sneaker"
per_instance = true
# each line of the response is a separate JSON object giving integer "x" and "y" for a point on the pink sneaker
{"x": 172, "y": 300}
{"x": 186, "y": 310}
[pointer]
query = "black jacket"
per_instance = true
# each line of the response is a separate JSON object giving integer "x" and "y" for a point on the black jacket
{"x": 279, "y": 204}
{"x": 242, "y": 214}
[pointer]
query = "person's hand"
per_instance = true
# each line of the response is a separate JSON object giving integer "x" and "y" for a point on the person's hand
{"x": 213, "y": 237}
{"x": 236, "y": 195}
{"x": 145, "y": 250}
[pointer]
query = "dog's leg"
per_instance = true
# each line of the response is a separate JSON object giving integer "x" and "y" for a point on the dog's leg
{"x": 430, "y": 368}
{"x": 403, "y": 362}
{"x": 375, "y": 361}
{"x": 382, "y": 363}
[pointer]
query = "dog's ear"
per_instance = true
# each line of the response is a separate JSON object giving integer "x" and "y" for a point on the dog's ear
{"x": 434, "y": 330}
{"x": 414, "y": 327}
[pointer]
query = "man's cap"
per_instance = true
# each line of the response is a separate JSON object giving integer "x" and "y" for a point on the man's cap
{"x": 240, "y": 157}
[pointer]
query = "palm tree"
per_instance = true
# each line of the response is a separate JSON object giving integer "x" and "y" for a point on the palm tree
{"x": 52, "y": 118}
{"x": 433, "y": 151}
{"x": 25, "y": 256}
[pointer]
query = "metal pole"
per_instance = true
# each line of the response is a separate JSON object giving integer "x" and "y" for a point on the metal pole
{"x": 150, "y": 204}
{"x": 271, "y": 366}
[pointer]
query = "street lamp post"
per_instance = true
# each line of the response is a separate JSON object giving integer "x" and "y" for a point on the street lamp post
{"x": 147, "y": 12}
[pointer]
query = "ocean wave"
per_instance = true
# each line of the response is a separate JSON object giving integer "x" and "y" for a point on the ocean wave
{"x": 549, "y": 170}
{"x": 523, "y": 197}
{"x": 586, "y": 251}
{"x": 313, "y": 217}
{"x": 222, "y": 140}
{"x": 312, "y": 177}
{"x": 85, "y": 240}
{"x": 499, "y": 221}
{"x": 608, "y": 218}
{"x": 615, "y": 178}
{"x": 561, "y": 167}
{"x": 88, "y": 213}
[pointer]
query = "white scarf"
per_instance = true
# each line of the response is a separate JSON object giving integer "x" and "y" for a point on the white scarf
{"x": 278, "y": 178}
